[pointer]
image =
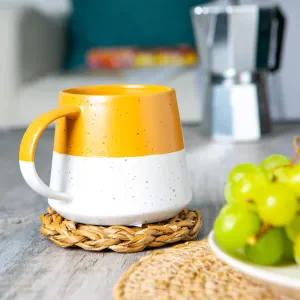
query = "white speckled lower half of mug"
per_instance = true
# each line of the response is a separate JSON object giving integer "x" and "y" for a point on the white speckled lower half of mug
{"x": 127, "y": 191}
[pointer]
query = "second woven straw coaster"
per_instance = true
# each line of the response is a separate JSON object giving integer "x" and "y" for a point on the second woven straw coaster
{"x": 186, "y": 272}
{"x": 66, "y": 233}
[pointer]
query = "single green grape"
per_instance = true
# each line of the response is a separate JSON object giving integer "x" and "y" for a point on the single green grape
{"x": 289, "y": 176}
{"x": 293, "y": 228}
{"x": 269, "y": 248}
{"x": 273, "y": 161}
{"x": 234, "y": 225}
{"x": 241, "y": 192}
{"x": 240, "y": 171}
{"x": 288, "y": 253}
{"x": 278, "y": 204}
{"x": 297, "y": 249}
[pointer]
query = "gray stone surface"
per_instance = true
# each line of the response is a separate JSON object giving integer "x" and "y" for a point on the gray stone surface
{"x": 31, "y": 267}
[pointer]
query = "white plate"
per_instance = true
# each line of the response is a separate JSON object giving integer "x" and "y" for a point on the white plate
{"x": 287, "y": 276}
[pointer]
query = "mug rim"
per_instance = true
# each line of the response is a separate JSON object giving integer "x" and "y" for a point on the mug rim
{"x": 95, "y": 90}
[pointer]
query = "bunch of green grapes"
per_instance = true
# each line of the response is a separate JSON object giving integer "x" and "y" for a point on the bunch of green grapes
{"x": 262, "y": 214}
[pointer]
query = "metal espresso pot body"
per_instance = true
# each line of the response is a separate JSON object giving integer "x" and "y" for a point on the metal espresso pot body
{"x": 239, "y": 43}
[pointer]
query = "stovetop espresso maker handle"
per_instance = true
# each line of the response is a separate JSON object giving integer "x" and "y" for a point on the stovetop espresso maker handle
{"x": 280, "y": 19}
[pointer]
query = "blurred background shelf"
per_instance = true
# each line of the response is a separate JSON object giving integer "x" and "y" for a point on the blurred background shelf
{"x": 31, "y": 59}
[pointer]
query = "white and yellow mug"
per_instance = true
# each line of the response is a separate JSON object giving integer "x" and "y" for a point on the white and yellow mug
{"x": 118, "y": 155}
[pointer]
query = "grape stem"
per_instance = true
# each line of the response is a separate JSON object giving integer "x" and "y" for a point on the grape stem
{"x": 296, "y": 140}
{"x": 250, "y": 201}
{"x": 252, "y": 240}
{"x": 297, "y": 150}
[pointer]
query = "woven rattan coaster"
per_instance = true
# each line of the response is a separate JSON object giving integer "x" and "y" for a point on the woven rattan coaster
{"x": 187, "y": 271}
{"x": 65, "y": 233}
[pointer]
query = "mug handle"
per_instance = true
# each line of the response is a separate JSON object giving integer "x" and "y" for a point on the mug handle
{"x": 28, "y": 146}
{"x": 280, "y": 19}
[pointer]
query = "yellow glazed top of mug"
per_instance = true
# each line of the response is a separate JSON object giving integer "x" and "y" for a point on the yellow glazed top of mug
{"x": 119, "y": 121}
